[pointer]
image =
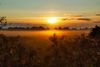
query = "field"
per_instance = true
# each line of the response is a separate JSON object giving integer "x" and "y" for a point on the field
{"x": 53, "y": 48}
{"x": 42, "y": 37}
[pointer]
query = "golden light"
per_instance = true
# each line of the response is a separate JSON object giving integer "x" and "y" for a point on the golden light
{"x": 52, "y": 20}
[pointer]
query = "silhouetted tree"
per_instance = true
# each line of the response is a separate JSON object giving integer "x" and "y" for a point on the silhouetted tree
{"x": 95, "y": 32}
{"x": 3, "y": 21}
{"x": 66, "y": 28}
{"x": 59, "y": 28}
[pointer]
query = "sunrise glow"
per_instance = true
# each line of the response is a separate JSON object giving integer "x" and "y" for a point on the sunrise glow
{"x": 52, "y": 20}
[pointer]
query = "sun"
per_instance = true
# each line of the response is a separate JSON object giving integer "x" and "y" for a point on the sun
{"x": 52, "y": 20}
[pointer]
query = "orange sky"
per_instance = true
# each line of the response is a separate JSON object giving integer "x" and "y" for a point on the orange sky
{"x": 37, "y": 11}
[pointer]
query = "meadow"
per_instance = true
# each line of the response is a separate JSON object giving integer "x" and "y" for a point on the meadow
{"x": 41, "y": 37}
{"x": 59, "y": 49}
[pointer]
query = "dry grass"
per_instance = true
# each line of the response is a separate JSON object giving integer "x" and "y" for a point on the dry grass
{"x": 80, "y": 51}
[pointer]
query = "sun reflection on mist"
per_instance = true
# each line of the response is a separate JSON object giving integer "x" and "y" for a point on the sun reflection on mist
{"x": 52, "y": 32}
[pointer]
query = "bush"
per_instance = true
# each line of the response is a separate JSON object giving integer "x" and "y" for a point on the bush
{"x": 13, "y": 54}
{"x": 95, "y": 33}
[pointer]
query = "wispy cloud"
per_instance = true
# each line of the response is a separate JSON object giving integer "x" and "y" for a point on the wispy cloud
{"x": 97, "y": 14}
{"x": 77, "y": 16}
{"x": 84, "y": 19}
{"x": 80, "y": 18}
{"x": 64, "y": 19}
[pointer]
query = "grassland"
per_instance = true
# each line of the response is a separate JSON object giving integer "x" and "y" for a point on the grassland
{"x": 79, "y": 51}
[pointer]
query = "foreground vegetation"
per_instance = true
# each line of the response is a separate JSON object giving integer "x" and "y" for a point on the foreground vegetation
{"x": 80, "y": 51}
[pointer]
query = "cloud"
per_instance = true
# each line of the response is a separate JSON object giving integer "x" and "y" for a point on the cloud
{"x": 97, "y": 14}
{"x": 84, "y": 19}
{"x": 64, "y": 19}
